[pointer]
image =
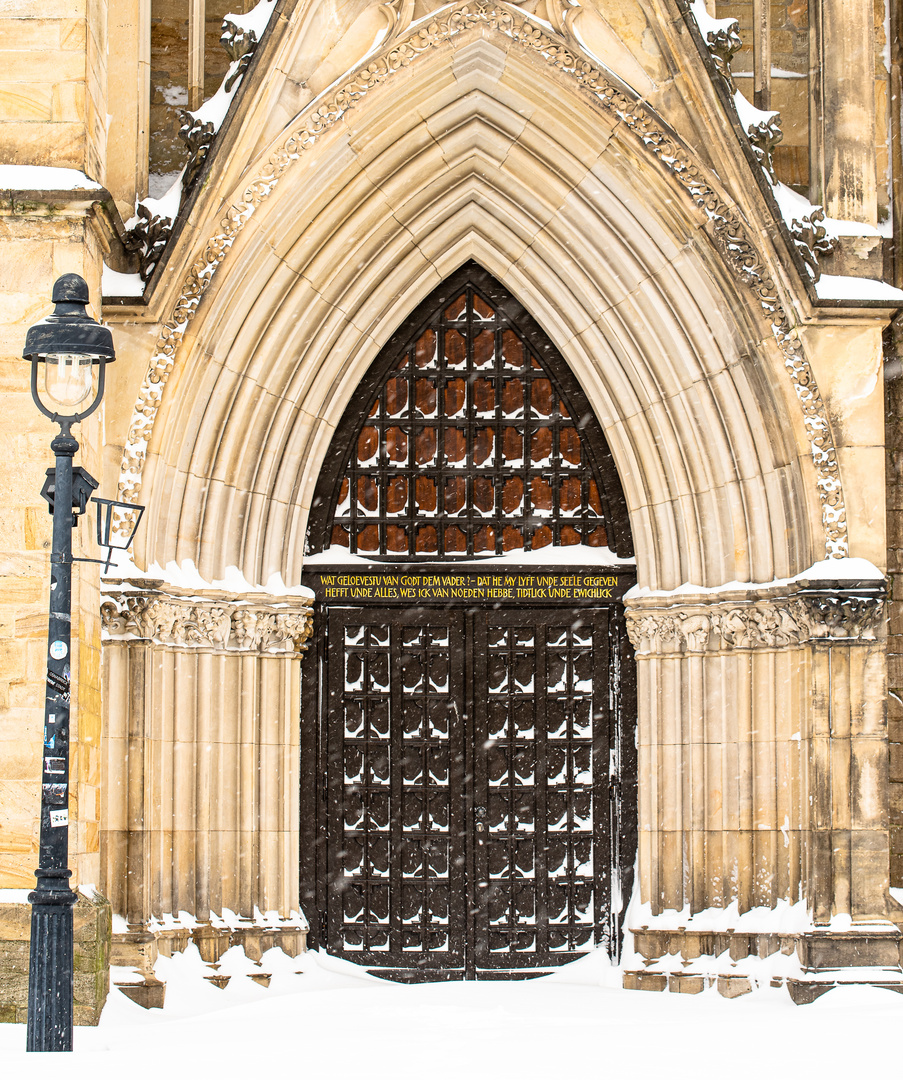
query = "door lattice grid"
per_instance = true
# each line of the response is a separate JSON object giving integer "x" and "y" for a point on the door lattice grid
{"x": 469, "y": 448}
{"x": 543, "y": 855}
{"x": 472, "y": 833}
{"x": 399, "y": 866}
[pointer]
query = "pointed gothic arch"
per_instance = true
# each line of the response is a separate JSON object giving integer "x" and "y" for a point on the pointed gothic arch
{"x": 469, "y": 437}
{"x": 468, "y": 723}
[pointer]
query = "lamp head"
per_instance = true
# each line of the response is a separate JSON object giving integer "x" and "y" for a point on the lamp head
{"x": 70, "y": 344}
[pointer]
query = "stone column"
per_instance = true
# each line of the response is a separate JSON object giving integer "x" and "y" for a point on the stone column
{"x": 201, "y": 749}
{"x": 848, "y": 113}
{"x": 763, "y": 775}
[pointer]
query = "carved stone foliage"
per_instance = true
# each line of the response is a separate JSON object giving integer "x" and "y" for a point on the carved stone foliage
{"x": 197, "y": 135}
{"x": 723, "y": 42}
{"x": 240, "y": 44}
{"x": 764, "y": 137}
{"x": 147, "y": 238}
{"x": 811, "y": 239}
{"x": 150, "y": 235}
{"x": 773, "y": 623}
{"x": 726, "y": 226}
{"x": 265, "y": 627}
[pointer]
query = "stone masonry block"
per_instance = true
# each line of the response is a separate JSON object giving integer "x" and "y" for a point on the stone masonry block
{"x": 92, "y": 928}
{"x": 895, "y": 793}
{"x": 894, "y": 528}
{"x": 15, "y": 924}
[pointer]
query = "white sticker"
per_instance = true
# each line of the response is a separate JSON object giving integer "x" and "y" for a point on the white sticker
{"x": 58, "y": 818}
{"x": 58, "y": 650}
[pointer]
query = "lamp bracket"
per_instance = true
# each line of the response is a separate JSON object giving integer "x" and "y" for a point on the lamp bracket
{"x": 83, "y": 483}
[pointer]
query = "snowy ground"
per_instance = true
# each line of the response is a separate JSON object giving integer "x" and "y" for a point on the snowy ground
{"x": 333, "y": 1020}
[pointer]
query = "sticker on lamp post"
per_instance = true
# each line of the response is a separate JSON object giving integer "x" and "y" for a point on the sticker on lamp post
{"x": 59, "y": 818}
{"x": 58, "y": 650}
{"x": 59, "y": 684}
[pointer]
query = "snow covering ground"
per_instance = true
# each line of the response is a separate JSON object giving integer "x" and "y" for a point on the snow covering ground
{"x": 334, "y": 1020}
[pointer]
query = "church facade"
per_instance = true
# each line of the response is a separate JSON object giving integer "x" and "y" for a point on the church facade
{"x": 513, "y": 395}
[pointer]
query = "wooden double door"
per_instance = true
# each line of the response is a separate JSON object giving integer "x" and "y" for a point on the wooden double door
{"x": 469, "y": 786}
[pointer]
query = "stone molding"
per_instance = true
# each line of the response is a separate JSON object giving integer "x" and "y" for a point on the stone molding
{"x": 726, "y": 224}
{"x": 659, "y": 626}
{"x": 255, "y": 624}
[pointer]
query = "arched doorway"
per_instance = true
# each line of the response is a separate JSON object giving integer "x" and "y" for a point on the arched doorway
{"x": 468, "y": 796}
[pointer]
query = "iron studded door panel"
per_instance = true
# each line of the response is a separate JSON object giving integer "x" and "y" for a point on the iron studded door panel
{"x": 469, "y": 800}
{"x": 395, "y": 764}
{"x": 542, "y": 823}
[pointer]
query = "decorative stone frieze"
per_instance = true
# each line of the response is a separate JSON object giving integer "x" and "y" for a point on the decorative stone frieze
{"x": 264, "y": 626}
{"x": 698, "y": 625}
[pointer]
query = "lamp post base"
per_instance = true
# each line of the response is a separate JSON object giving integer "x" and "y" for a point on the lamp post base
{"x": 50, "y": 970}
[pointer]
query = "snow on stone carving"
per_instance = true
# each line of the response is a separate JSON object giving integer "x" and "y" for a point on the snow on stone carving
{"x": 775, "y": 622}
{"x": 148, "y": 232}
{"x": 219, "y": 623}
{"x": 727, "y": 227}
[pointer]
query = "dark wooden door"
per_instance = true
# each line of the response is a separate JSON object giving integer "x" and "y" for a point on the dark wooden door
{"x": 471, "y": 760}
{"x": 395, "y": 789}
{"x": 468, "y": 774}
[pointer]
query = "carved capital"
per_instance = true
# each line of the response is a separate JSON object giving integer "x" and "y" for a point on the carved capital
{"x": 668, "y": 625}
{"x": 257, "y": 624}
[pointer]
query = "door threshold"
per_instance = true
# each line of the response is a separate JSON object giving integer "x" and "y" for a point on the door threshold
{"x": 421, "y": 975}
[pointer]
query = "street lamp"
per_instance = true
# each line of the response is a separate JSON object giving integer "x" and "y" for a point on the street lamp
{"x": 70, "y": 346}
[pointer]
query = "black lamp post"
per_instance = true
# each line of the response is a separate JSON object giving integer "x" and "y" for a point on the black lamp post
{"x": 69, "y": 344}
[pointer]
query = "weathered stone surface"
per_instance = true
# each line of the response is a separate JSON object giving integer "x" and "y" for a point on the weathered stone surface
{"x": 92, "y": 927}
{"x": 743, "y": 452}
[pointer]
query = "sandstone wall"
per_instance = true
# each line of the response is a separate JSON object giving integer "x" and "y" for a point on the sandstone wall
{"x": 894, "y": 429}
{"x": 52, "y": 58}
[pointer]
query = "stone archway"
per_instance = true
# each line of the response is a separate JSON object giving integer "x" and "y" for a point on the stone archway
{"x": 721, "y": 442}
{"x": 468, "y": 726}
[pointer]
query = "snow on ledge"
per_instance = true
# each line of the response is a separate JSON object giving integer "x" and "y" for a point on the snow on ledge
{"x": 229, "y": 920}
{"x": 827, "y": 570}
{"x": 112, "y": 283}
{"x": 839, "y": 287}
{"x": 45, "y": 178}
{"x": 14, "y": 896}
{"x": 783, "y": 918}
{"x": 572, "y": 555}
{"x": 186, "y": 576}
{"x": 750, "y": 116}
{"x": 706, "y": 23}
